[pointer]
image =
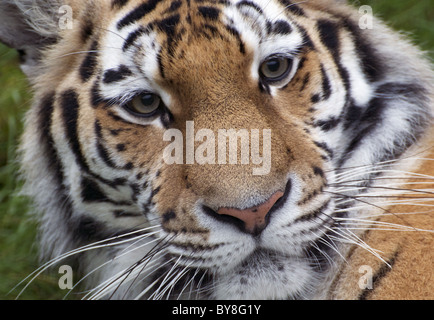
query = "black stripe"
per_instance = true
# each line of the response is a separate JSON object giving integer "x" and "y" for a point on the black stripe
{"x": 70, "y": 106}
{"x": 236, "y": 34}
{"x": 375, "y": 109}
{"x": 326, "y": 86}
{"x": 114, "y": 75}
{"x": 135, "y": 188}
{"x": 138, "y": 13}
{"x": 88, "y": 67}
{"x": 169, "y": 215}
{"x": 264, "y": 87}
{"x": 313, "y": 214}
{"x": 155, "y": 192}
{"x": 352, "y": 115}
{"x": 166, "y": 117}
{"x": 125, "y": 214}
{"x": 307, "y": 41}
{"x": 91, "y": 192}
{"x": 213, "y": 29}
{"x": 305, "y": 81}
{"x": 133, "y": 37}
{"x": 318, "y": 171}
{"x": 409, "y": 91}
{"x": 324, "y": 147}
{"x": 117, "y": 4}
{"x": 279, "y": 27}
{"x": 301, "y": 63}
{"x": 372, "y": 62}
{"x": 329, "y": 34}
{"x": 343, "y": 72}
{"x": 366, "y": 121}
{"x": 45, "y": 112}
{"x": 86, "y": 229}
{"x": 327, "y": 125}
{"x": 120, "y": 147}
{"x": 87, "y": 30}
{"x": 175, "y": 5}
{"x": 315, "y": 98}
{"x": 102, "y": 151}
{"x": 214, "y": 2}
{"x": 160, "y": 64}
{"x": 52, "y": 159}
{"x": 209, "y": 13}
{"x": 95, "y": 97}
{"x": 168, "y": 26}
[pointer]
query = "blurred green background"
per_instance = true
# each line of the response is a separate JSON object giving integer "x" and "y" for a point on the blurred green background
{"x": 18, "y": 252}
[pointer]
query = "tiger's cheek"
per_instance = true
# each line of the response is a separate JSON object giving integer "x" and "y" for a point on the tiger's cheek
{"x": 126, "y": 144}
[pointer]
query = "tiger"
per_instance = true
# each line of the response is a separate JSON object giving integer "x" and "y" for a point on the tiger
{"x": 132, "y": 181}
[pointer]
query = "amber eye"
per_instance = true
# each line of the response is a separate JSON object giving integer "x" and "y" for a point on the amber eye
{"x": 275, "y": 69}
{"x": 145, "y": 104}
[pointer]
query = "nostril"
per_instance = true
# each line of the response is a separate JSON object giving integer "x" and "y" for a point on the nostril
{"x": 254, "y": 219}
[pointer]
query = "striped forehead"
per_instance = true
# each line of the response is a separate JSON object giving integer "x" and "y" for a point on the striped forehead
{"x": 131, "y": 47}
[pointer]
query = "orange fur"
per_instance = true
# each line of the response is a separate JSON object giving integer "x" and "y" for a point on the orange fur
{"x": 410, "y": 253}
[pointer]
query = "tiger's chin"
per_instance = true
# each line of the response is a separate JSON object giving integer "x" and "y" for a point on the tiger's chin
{"x": 263, "y": 275}
{"x": 266, "y": 275}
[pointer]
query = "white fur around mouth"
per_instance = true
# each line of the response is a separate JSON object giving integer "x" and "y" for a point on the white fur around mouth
{"x": 265, "y": 275}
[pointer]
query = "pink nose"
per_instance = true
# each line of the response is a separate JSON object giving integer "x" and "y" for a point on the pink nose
{"x": 254, "y": 217}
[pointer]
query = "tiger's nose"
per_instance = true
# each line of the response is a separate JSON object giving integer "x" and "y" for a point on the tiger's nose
{"x": 254, "y": 218}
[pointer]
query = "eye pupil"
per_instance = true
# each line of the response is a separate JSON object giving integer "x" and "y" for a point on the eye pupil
{"x": 147, "y": 99}
{"x": 273, "y": 65}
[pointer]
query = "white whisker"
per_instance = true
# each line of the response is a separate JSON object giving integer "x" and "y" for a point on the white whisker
{"x": 93, "y": 246}
{"x": 347, "y": 235}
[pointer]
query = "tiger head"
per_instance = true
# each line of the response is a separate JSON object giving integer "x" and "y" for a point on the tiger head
{"x": 194, "y": 148}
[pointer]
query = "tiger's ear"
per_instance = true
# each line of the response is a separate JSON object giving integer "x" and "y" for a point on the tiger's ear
{"x": 29, "y": 26}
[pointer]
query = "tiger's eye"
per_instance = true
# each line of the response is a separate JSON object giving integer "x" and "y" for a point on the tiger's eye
{"x": 275, "y": 69}
{"x": 145, "y": 104}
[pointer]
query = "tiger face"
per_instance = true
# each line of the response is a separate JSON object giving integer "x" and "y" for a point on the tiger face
{"x": 195, "y": 147}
